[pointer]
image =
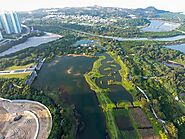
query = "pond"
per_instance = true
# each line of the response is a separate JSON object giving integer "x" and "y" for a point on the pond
{"x": 160, "y": 26}
{"x": 31, "y": 42}
{"x": 67, "y": 72}
{"x": 86, "y": 43}
{"x": 179, "y": 47}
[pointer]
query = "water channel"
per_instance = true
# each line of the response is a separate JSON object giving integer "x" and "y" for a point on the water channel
{"x": 161, "y": 26}
{"x": 179, "y": 47}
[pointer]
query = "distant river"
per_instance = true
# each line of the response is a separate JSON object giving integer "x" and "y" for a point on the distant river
{"x": 31, "y": 42}
{"x": 135, "y": 39}
{"x": 179, "y": 47}
{"x": 145, "y": 39}
{"x": 160, "y": 26}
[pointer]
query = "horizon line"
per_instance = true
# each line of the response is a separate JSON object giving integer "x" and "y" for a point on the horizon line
{"x": 30, "y": 10}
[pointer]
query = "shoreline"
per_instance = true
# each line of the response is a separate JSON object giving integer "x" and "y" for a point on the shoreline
{"x": 78, "y": 55}
{"x": 27, "y": 44}
{"x": 20, "y": 40}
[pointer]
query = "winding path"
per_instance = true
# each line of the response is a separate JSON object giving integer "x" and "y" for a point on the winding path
{"x": 153, "y": 111}
{"x": 37, "y": 123}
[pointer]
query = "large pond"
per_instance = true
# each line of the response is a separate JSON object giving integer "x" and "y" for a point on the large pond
{"x": 31, "y": 42}
{"x": 179, "y": 47}
{"x": 160, "y": 26}
{"x": 67, "y": 73}
{"x": 87, "y": 43}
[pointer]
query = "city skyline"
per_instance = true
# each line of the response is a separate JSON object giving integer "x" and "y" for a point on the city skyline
{"x": 24, "y": 5}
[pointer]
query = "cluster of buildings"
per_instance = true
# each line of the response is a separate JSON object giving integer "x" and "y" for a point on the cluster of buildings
{"x": 9, "y": 23}
{"x": 87, "y": 19}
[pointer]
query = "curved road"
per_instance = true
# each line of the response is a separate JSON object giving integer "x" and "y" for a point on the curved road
{"x": 37, "y": 123}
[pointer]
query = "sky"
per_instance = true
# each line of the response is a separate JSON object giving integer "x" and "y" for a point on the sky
{"x": 27, "y": 5}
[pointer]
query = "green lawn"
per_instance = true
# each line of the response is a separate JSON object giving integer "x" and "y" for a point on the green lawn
{"x": 124, "y": 72}
{"x": 19, "y": 67}
{"x": 20, "y": 76}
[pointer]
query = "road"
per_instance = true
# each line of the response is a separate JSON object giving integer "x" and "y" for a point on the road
{"x": 40, "y": 104}
{"x": 19, "y": 71}
{"x": 181, "y": 31}
{"x": 37, "y": 123}
{"x": 28, "y": 31}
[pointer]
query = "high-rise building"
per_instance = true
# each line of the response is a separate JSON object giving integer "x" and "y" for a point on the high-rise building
{"x": 16, "y": 22}
{"x": 1, "y": 24}
{"x": 4, "y": 21}
{"x": 10, "y": 22}
{"x": 1, "y": 37}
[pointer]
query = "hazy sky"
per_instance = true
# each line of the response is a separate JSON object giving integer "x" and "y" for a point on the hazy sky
{"x": 22, "y": 5}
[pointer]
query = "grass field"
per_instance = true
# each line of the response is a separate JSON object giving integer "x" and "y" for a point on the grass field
{"x": 20, "y": 76}
{"x": 19, "y": 67}
{"x": 181, "y": 106}
{"x": 124, "y": 72}
{"x": 126, "y": 124}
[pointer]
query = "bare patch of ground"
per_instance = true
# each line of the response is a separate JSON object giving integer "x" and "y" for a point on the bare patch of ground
{"x": 140, "y": 118}
{"x": 24, "y": 120}
{"x": 148, "y": 133}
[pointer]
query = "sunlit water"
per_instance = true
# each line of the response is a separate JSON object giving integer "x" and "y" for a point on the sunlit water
{"x": 31, "y": 42}
{"x": 161, "y": 26}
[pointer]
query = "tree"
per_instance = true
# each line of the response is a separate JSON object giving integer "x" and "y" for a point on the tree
{"x": 172, "y": 130}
